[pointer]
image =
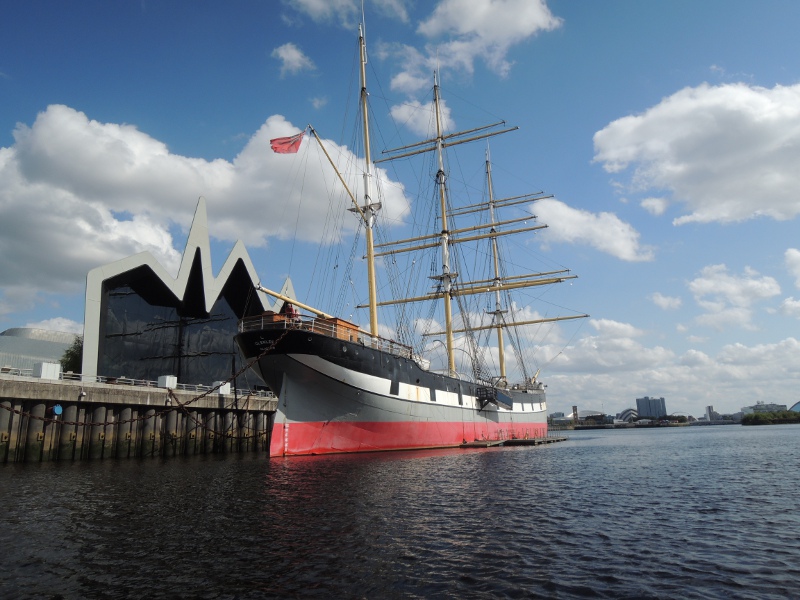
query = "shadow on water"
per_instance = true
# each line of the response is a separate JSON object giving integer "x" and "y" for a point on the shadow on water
{"x": 672, "y": 513}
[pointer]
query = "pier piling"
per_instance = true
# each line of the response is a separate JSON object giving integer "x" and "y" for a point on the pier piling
{"x": 48, "y": 420}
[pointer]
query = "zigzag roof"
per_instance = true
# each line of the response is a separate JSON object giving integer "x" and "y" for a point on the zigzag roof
{"x": 197, "y": 242}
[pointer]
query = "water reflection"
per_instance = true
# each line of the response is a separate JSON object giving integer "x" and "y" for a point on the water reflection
{"x": 684, "y": 513}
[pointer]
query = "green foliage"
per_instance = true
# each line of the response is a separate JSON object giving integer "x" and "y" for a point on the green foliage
{"x": 771, "y": 418}
{"x": 72, "y": 360}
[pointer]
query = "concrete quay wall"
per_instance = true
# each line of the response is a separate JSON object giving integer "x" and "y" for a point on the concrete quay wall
{"x": 44, "y": 420}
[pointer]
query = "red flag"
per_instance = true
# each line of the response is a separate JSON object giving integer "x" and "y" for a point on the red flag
{"x": 287, "y": 145}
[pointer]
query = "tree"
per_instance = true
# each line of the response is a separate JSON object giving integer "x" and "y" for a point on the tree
{"x": 72, "y": 360}
{"x": 770, "y": 418}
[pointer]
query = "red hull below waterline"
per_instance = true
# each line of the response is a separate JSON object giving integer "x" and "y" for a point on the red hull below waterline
{"x": 296, "y": 439}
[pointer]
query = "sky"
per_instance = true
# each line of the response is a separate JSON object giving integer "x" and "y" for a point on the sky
{"x": 668, "y": 133}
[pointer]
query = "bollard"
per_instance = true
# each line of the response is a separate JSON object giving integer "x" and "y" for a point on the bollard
{"x": 268, "y": 420}
{"x": 149, "y": 434}
{"x": 246, "y": 431}
{"x": 229, "y": 432}
{"x": 194, "y": 433}
{"x": 5, "y": 428}
{"x": 52, "y": 429}
{"x": 68, "y": 434}
{"x": 170, "y": 433}
{"x": 124, "y": 437}
{"x": 210, "y": 433}
{"x": 180, "y": 427}
{"x": 34, "y": 439}
{"x": 97, "y": 433}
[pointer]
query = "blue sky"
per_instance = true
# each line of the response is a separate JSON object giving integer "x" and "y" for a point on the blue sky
{"x": 668, "y": 132}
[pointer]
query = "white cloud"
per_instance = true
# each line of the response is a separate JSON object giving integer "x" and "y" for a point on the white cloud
{"x": 417, "y": 67}
{"x": 485, "y": 28}
{"x": 616, "y": 364}
{"x": 58, "y": 324}
{"x": 614, "y": 329}
{"x": 760, "y": 356}
{"x": 721, "y": 318}
{"x": 695, "y": 358}
{"x": 496, "y": 21}
{"x": 603, "y": 231}
{"x": 421, "y": 119}
{"x": 65, "y": 187}
{"x": 345, "y": 11}
{"x": 463, "y": 31}
{"x": 790, "y": 307}
{"x": 728, "y": 299}
{"x": 292, "y": 59}
{"x": 792, "y": 259}
{"x": 666, "y": 302}
{"x": 614, "y": 349}
{"x": 90, "y": 193}
{"x": 348, "y": 12}
{"x": 393, "y": 8}
{"x": 655, "y": 206}
{"x": 615, "y": 370}
{"x": 727, "y": 153}
{"x": 319, "y": 102}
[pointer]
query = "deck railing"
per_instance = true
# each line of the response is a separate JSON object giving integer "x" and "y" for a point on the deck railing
{"x": 328, "y": 327}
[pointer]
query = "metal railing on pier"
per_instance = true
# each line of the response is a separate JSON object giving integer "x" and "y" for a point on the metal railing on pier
{"x": 186, "y": 387}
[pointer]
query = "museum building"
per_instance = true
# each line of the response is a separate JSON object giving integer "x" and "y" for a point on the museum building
{"x": 142, "y": 323}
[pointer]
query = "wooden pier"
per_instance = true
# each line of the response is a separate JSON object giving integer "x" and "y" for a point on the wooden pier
{"x": 58, "y": 420}
{"x": 513, "y": 442}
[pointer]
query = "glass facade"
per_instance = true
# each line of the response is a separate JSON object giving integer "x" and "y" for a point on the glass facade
{"x": 146, "y": 331}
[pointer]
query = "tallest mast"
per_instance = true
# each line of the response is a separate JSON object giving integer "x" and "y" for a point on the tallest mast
{"x": 446, "y": 277}
{"x": 370, "y": 209}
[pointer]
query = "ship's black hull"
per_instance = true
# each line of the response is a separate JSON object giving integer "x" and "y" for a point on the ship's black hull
{"x": 339, "y": 395}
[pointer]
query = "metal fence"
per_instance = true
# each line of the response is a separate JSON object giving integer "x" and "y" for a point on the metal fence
{"x": 70, "y": 376}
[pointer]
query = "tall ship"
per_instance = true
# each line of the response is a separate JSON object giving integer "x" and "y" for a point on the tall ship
{"x": 342, "y": 387}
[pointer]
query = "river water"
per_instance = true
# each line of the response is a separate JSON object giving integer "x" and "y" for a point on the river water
{"x": 693, "y": 512}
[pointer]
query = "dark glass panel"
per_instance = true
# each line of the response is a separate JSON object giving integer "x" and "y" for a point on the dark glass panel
{"x": 148, "y": 332}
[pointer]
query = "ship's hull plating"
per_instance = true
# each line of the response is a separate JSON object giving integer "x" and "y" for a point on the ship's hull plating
{"x": 340, "y": 396}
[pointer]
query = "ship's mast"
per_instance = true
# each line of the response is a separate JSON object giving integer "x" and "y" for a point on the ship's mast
{"x": 447, "y": 238}
{"x": 370, "y": 209}
{"x": 446, "y": 277}
{"x": 498, "y": 307}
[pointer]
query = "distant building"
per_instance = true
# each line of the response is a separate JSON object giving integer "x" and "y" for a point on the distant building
{"x": 796, "y": 407}
{"x": 578, "y": 417}
{"x": 556, "y": 415}
{"x": 760, "y": 407}
{"x": 23, "y": 347}
{"x": 710, "y": 413}
{"x": 651, "y": 408}
{"x": 628, "y": 415}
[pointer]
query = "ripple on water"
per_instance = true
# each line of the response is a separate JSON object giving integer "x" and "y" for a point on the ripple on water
{"x": 689, "y": 513}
